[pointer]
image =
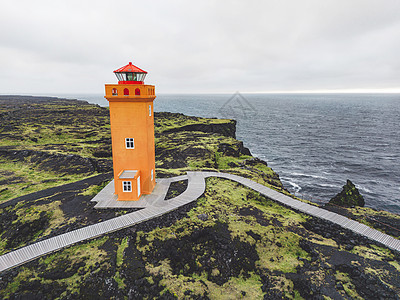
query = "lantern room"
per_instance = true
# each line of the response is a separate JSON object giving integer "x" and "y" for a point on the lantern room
{"x": 130, "y": 74}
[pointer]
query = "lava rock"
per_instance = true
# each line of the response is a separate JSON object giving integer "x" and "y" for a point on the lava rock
{"x": 349, "y": 196}
{"x": 202, "y": 217}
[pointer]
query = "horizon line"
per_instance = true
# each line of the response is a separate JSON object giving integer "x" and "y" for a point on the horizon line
{"x": 349, "y": 91}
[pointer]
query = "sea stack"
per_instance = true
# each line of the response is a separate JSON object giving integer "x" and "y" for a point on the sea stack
{"x": 349, "y": 196}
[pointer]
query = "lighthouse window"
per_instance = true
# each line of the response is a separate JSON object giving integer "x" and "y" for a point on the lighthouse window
{"x": 137, "y": 92}
{"x": 140, "y": 76}
{"x": 130, "y": 77}
{"x": 127, "y": 186}
{"x": 114, "y": 92}
{"x": 126, "y": 92}
{"x": 152, "y": 174}
{"x": 129, "y": 143}
{"x": 149, "y": 110}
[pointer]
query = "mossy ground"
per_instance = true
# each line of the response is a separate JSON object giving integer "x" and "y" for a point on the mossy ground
{"x": 54, "y": 127}
{"x": 381, "y": 220}
{"x": 248, "y": 247}
{"x": 231, "y": 243}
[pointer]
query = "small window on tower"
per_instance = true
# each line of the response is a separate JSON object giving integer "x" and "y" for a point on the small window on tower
{"x": 127, "y": 186}
{"x": 149, "y": 110}
{"x": 126, "y": 92}
{"x": 152, "y": 174}
{"x": 129, "y": 143}
{"x": 114, "y": 92}
{"x": 137, "y": 92}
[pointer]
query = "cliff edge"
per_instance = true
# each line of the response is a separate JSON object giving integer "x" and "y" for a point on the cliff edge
{"x": 231, "y": 243}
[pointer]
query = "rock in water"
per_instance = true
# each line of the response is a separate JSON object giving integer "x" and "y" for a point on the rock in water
{"x": 349, "y": 196}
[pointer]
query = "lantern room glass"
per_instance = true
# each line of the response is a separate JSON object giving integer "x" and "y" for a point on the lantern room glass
{"x": 130, "y": 76}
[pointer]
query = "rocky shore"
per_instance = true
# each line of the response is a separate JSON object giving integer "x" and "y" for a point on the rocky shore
{"x": 232, "y": 243}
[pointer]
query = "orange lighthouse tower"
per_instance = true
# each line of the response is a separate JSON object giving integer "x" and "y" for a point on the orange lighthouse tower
{"x": 132, "y": 133}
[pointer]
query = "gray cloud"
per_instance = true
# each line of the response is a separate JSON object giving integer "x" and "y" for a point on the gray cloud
{"x": 204, "y": 46}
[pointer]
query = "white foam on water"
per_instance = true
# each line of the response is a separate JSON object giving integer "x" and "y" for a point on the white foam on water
{"x": 327, "y": 185}
{"x": 308, "y": 175}
{"x": 296, "y": 187}
{"x": 363, "y": 188}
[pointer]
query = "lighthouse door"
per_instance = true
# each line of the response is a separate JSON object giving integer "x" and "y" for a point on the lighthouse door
{"x": 138, "y": 186}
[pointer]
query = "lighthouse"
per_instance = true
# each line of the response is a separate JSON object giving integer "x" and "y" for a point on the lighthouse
{"x": 132, "y": 133}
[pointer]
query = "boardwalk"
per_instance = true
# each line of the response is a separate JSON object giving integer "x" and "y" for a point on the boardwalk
{"x": 155, "y": 206}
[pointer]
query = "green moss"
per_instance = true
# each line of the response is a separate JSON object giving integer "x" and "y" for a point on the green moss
{"x": 120, "y": 251}
{"x": 349, "y": 288}
{"x": 22, "y": 178}
{"x": 65, "y": 127}
{"x": 93, "y": 190}
{"x": 25, "y": 274}
{"x": 375, "y": 219}
{"x": 88, "y": 253}
{"x": 268, "y": 229}
{"x": 172, "y": 121}
{"x": 223, "y": 201}
{"x": 372, "y": 252}
{"x": 120, "y": 281}
{"x": 349, "y": 196}
{"x": 38, "y": 220}
{"x": 227, "y": 162}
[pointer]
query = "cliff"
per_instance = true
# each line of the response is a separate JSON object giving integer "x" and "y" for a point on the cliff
{"x": 231, "y": 243}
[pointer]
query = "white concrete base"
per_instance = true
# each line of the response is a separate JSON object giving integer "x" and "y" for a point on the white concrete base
{"x": 107, "y": 199}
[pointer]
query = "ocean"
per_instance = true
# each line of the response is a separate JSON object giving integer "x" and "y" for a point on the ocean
{"x": 315, "y": 142}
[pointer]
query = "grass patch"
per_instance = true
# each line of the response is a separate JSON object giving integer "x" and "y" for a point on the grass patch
{"x": 349, "y": 288}
{"x": 223, "y": 201}
{"x": 93, "y": 190}
{"x": 120, "y": 251}
{"x": 22, "y": 178}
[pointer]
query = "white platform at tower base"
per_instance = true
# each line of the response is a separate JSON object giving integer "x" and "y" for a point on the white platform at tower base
{"x": 107, "y": 199}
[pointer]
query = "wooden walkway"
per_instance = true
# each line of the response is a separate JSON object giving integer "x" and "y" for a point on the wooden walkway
{"x": 315, "y": 211}
{"x": 196, "y": 187}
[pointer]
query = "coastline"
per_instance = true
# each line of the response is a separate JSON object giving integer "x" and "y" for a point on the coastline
{"x": 237, "y": 220}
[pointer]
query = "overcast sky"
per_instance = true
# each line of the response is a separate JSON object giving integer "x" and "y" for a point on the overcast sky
{"x": 208, "y": 46}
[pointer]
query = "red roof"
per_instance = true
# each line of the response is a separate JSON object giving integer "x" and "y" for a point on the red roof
{"x": 129, "y": 68}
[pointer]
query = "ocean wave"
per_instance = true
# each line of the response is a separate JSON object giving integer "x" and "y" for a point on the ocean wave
{"x": 363, "y": 188}
{"x": 327, "y": 185}
{"x": 307, "y": 175}
{"x": 295, "y": 186}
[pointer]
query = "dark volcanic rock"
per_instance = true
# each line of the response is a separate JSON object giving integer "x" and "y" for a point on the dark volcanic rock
{"x": 69, "y": 187}
{"x": 225, "y": 129}
{"x": 19, "y": 232}
{"x": 205, "y": 250}
{"x": 61, "y": 163}
{"x": 228, "y": 130}
{"x": 18, "y": 100}
{"x": 176, "y": 188}
{"x": 202, "y": 217}
{"x": 234, "y": 150}
{"x": 349, "y": 196}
